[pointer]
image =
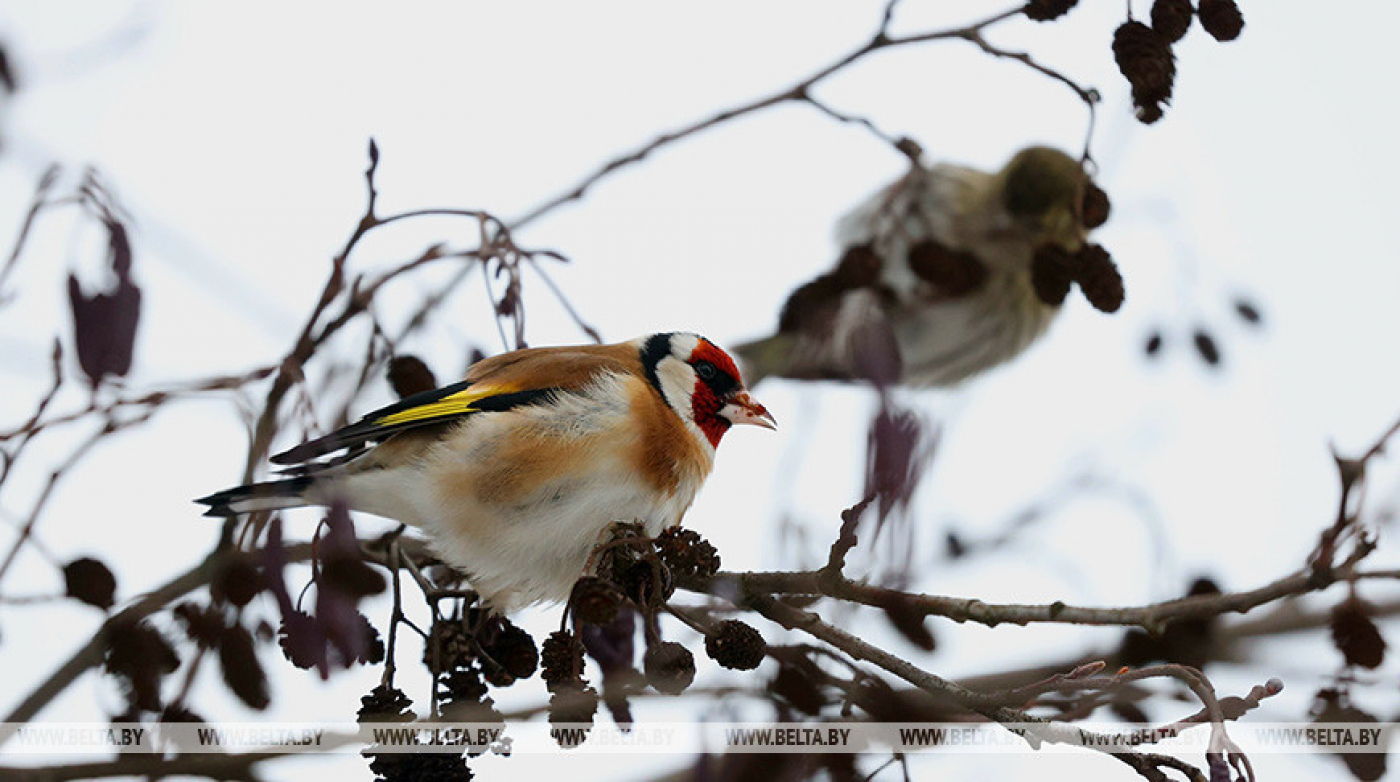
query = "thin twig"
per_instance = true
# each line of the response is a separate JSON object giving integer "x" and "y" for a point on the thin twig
{"x": 801, "y": 91}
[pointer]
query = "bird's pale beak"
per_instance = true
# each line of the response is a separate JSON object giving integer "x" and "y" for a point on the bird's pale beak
{"x": 743, "y": 409}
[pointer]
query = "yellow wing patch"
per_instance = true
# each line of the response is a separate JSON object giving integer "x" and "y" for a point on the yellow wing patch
{"x": 456, "y": 404}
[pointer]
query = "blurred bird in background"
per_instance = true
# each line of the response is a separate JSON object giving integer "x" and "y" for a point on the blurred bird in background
{"x": 945, "y": 273}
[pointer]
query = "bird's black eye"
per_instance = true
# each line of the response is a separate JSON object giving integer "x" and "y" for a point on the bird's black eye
{"x": 706, "y": 370}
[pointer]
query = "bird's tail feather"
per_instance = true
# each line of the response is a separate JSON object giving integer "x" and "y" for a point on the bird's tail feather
{"x": 272, "y": 495}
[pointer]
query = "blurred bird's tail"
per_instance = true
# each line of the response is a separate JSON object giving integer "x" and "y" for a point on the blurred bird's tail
{"x": 272, "y": 495}
{"x": 764, "y": 357}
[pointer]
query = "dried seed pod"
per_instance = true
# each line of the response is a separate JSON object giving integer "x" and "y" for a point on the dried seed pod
{"x": 1147, "y": 112}
{"x": 454, "y": 646}
{"x": 1095, "y": 207}
{"x": 669, "y": 667}
{"x": 350, "y": 575}
{"x": 140, "y": 655}
{"x": 1052, "y": 271}
{"x": 1356, "y": 635}
{"x": 1171, "y": 18}
{"x": 416, "y": 766}
{"x": 595, "y": 601}
{"x": 686, "y": 554}
{"x": 203, "y": 623}
{"x": 951, "y": 272}
{"x": 1048, "y": 10}
{"x": 1099, "y": 279}
{"x": 512, "y": 649}
{"x": 238, "y": 579}
{"x": 572, "y": 706}
{"x": 462, "y": 684}
{"x": 385, "y": 704}
{"x": 735, "y": 644}
{"x": 243, "y": 673}
{"x": 561, "y": 660}
{"x": 1221, "y": 18}
{"x": 1145, "y": 59}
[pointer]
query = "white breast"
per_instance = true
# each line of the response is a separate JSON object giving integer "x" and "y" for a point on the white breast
{"x": 534, "y": 546}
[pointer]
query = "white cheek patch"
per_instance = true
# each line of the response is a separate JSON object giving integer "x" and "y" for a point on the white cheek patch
{"x": 677, "y": 383}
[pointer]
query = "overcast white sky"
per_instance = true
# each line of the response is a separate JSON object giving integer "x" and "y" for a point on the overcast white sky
{"x": 236, "y": 134}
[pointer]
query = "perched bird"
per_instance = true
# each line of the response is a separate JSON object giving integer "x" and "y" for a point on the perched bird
{"x": 947, "y": 272}
{"x": 516, "y": 472}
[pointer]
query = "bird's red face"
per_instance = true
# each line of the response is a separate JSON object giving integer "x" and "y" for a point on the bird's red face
{"x": 719, "y": 399}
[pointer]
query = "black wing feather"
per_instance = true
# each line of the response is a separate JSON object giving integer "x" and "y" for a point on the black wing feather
{"x": 369, "y": 429}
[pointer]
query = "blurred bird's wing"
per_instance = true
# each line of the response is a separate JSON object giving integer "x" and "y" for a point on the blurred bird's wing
{"x": 941, "y": 207}
{"x": 523, "y": 377}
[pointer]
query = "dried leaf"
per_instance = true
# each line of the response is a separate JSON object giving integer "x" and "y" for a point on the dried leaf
{"x": 1355, "y": 635}
{"x": 1333, "y": 707}
{"x": 302, "y": 642}
{"x": 238, "y": 579}
{"x": 139, "y": 654}
{"x": 243, "y": 674}
{"x": 895, "y": 461}
{"x": 910, "y": 622}
{"x": 88, "y": 580}
{"x": 104, "y": 327}
{"x": 408, "y": 375}
{"x": 799, "y": 684}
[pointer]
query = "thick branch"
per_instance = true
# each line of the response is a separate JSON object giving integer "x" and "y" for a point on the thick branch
{"x": 1152, "y": 617}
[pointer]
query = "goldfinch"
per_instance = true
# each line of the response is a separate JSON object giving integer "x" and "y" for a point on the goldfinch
{"x": 947, "y": 272}
{"x": 516, "y": 473}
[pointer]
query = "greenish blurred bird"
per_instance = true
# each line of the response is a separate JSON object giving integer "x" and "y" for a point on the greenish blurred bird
{"x": 935, "y": 282}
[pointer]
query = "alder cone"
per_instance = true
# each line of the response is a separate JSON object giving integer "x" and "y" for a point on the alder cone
{"x": 1052, "y": 271}
{"x": 1048, "y": 10}
{"x": 1222, "y": 19}
{"x": 1146, "y": 61}
{"x": 1356, "y": 635}
{"x": 669, "y": 667}
{"x": 1094, "y": 207}
{"x": 1171, "y": 18}
{"x": 1099, "y": 279}
{"x": 952, "y": 272}
{"x": 735, "y": 644}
